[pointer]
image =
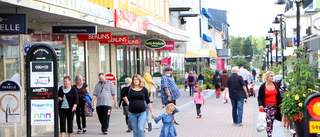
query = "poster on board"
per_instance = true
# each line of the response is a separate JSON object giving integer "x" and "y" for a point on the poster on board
{"x": 42, "y": 112}
{"x": 41, "y": 74}
{"x": 10, "y": 107}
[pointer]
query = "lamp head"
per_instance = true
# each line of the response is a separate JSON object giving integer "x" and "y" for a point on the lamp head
{"x": 276, "y": 21}
{"x": 270, "y": 31}
{"x": 279, "y": 2}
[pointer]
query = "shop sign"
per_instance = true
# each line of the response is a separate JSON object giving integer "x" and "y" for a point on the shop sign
{"x": 154, "y": 43}
{"x": 179, "y": 48}
{"x": 116, "y": 39}
{"x": 130, "y": 22}
{"x": 169, "y": 46}
{"x": 42, "y": 112}
{"x": 95, "y": 37}
{"x": 130, "y": 42}
{"x": 74, "y": 29}
{"x": 13, "y": 24}
{"x": 10, "y": 102}
{"x": 9, "y": 39}
{"x": 111, "y": 77}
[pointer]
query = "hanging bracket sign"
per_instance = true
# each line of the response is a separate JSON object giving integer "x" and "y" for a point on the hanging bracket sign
{"x": 154, "y": 43}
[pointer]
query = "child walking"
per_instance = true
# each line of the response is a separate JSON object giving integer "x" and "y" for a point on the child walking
{"x": 199, "y": 100}
{"x": 168, "y": 129}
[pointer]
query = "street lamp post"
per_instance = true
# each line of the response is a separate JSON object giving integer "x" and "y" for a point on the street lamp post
{"x": 267, "y": 47}
{"x": 270, "y": 48}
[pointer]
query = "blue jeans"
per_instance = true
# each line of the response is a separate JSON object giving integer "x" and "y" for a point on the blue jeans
{"x": 138, "y": 120}
{"x": 191, "y": 86}
{"x": 237, "y": 110}
{"x": 147, "y": 111}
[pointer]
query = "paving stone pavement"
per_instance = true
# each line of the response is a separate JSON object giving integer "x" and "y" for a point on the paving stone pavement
{"x": 215, "y": 122}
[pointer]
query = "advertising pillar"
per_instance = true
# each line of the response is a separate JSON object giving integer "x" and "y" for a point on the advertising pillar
{"x": 42, "y": 95}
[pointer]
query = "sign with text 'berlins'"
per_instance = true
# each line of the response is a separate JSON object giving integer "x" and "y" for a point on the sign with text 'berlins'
{"x": 130, "y": 42}
{"x": 95, "y": 37}
{"x": 12, "y": 24}
{"x": 116, "y": 39}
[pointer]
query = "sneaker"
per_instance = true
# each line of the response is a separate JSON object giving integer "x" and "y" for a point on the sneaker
{"x": 129, "y": 130}
{"x": 149, "y": 127}
{"x": 198, "y": 117}
{"x": 245, "y": 100}
{"x": 176, "y": 123}
{"x": 240, "y": 125}
{"x": 234, "y": 124}
{"x": 84, "y": 130}
{"x": 105, "y": 132}
{"x": 79, "y": 131}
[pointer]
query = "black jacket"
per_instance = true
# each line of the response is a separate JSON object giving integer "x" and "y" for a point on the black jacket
{"x": 261, "y": 97}
{"x": 72, "y": 97}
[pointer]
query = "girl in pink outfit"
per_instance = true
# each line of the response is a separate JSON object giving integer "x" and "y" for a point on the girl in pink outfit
{"x": 199, "y": 100}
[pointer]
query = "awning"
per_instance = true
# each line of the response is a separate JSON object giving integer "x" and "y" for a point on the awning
{"x": 206, "y": 38}
{"x": 207, "y": 53}
{"x": 166, "y": 61}
{"x": 206, "y": 13}
{"x": 191, "y": 54}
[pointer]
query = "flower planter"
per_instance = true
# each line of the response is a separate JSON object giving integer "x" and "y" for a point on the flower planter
{"x": 299, "y": 128}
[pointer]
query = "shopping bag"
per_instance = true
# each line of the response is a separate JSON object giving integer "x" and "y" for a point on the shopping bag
{"x": 153, "y": 89}
{"x": 261, "y": 122}
{"x": 88, "y": 110}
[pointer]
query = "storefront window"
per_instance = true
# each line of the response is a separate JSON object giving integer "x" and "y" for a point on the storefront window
{"x": 120, "y": 61}
{"x": 57, "y": 41}
{"x": 78, "y": 57}
{"x": 9, "y": 56}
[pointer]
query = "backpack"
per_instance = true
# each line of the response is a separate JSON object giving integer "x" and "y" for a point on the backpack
{"x": 191, "y": 79}
{"x": 216, "y": 80}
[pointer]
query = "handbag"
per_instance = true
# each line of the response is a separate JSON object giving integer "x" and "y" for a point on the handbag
{"x": 88, "y": 110}
{"x": 153, "y": 89}
{"x": 223, "y": 88}
{"x": 261, "y": 122}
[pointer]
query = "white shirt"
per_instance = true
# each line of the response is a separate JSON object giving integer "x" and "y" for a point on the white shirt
{"x": 244, "y": 73}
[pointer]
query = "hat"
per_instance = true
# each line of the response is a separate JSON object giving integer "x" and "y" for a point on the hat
{"x": 168, "y": 69}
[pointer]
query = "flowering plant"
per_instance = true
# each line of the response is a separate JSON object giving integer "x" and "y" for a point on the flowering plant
{"x": 301, "y": 82}
{"x": 208, "y": 75}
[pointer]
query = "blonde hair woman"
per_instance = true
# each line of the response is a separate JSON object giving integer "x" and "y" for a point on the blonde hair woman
{"x": 82, "y": 89}
{"x": 135, "y": 98}
{"x": 269, "y": 100}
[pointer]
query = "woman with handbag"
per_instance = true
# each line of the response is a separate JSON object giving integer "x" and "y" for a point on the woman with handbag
{"x": 269, "y": 100}
{"x": 223, "y": 83}
{"x": 68, "y": 100}
{"x": 82, "y": 89}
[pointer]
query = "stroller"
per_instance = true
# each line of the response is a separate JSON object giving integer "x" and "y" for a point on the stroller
{"x": 251, "y": 91}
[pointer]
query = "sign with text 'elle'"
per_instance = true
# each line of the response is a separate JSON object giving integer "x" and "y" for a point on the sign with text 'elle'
{"x": 130, "y": 42}
{"x": 116, "y": 39}
{"x": 95, "y": 37}
{"x": 12, "y": 24}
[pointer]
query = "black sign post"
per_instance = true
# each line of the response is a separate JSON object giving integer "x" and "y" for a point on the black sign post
{"x": 42, "y": 95}
{"x": 312, "y": 115}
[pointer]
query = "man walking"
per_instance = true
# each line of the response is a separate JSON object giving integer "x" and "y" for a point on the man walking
{"x": 245, "y": 75}
{"x": 104, "y": 92}
{"x": 237, "y": 92}
{"x": 169, "y": 90}
{"x": 254, "y": 73}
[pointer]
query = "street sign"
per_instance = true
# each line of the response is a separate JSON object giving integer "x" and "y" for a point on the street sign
{"x": 312, "y": 115}
{"x": 42, "y": 95}
{"x": 154, "y": 43}
{"x": 112, "y": 78}
{"x": 10, "y": 102}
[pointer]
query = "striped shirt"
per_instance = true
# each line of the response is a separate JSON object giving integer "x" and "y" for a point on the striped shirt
{"x": 167, "y": 82}
{"x": 104, "y": 93}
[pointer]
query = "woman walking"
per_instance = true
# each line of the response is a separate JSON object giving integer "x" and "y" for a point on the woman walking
{"x": 223, "y": 83}
{"x": 125, "y": 107}
{"x": 269, "y": 100}
{"x": 216, "y": 79}
{"x": 68, "y": 100}
{"x": 82, "y": 89}
{"x": 135, "y": 98}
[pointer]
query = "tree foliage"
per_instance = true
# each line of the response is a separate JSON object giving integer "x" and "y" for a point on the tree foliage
{"x": 246, "y": 50}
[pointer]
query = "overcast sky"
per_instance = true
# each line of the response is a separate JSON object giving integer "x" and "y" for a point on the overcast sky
{"x": 248, "y": 17}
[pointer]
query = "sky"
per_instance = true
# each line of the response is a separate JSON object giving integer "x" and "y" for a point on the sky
{"x": 248, "y": 17}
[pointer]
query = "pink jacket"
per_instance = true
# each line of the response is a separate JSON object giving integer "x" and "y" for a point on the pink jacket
{"x": 198, "y": 100}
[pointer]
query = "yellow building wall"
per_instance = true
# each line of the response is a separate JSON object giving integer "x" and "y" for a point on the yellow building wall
{"x": 105, "y": 3}
{"x": 137, "y": 11}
